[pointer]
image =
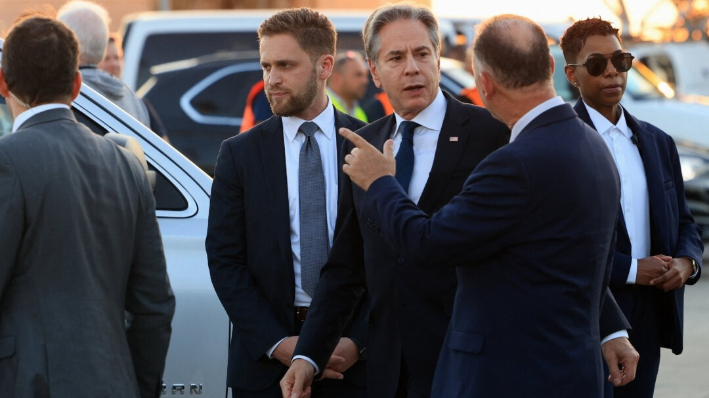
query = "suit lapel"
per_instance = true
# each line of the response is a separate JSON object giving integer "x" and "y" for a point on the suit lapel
{"x": 653, "y": 175}
{"x": 451, "y": 145}
{"x": 274, "y": 170}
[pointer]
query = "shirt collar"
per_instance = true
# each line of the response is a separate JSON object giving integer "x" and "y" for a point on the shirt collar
{"x": 604, "y": 126}
{"x": 431, "y": 117}
{"x": 24, "y": 116}
{"x": 324, "y": 119}
{"x": 532, "y": 114}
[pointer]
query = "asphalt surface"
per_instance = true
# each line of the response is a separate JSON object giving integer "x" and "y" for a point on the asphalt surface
{"x": 687, "y": 375}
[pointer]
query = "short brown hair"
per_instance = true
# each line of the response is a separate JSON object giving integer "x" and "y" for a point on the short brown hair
{"x": 575, "y": 36}
{"x": 313, "y": 31}
{"x": 515, "y": 48}
{"x": 40, "y": 60}
{"x": 393, "y": 12}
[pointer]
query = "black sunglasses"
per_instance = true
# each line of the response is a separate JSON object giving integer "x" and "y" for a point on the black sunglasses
{"x": 596, "y": 64}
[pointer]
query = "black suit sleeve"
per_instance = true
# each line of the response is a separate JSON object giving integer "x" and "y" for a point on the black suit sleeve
{"x": 249, "y": 311}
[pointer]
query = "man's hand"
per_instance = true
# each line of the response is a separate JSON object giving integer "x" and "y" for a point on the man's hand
{"x": 622, "y": 360}
{"x": 347, "y": 351}
{"x": 296, "y": 382}
{"x": 680, "y": 270}
{"x": 365, "y": 164}
{"x": 284, "y": 351}
{"x": 650, "y": 268}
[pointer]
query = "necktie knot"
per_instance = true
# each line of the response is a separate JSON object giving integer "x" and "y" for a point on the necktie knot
{"x": 308, "y": 129}
{"x": 407, "y": 130}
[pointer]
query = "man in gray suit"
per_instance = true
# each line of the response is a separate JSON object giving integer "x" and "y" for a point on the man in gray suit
{"x": 79, "y": 240}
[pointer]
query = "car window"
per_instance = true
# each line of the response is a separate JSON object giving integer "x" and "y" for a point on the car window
{"x": 226, "y": 97}
{"x": 662, "y": 66}
{"x": 167, "y": 196}
{"x": 169, "y": 47}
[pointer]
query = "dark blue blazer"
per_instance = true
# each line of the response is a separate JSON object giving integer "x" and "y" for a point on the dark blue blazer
{"x": 532, "y": 234}
{"x": 249, "y": 252}
{"x": 673, "y": 231}
{"x": 410, "y": 307}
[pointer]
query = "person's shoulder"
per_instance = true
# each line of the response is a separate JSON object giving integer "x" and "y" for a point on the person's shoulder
{"x": 375, "y": 128}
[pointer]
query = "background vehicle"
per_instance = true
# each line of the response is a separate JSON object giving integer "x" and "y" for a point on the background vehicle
{"x": 154, "y": 38}
{"x": 684, "y": 66}
{"x": 197, "y": 358}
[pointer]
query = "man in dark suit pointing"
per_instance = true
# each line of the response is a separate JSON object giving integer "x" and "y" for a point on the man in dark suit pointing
{"x": 439, "y": 143}
{"x": 532, "y": 245}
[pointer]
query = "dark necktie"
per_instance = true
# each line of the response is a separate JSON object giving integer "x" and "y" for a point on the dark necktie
{"x": 313, "y": 210}
{"x": 405, "y": 156}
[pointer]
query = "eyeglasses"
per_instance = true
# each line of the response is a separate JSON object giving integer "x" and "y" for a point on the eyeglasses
{"x": 596, "y": 64}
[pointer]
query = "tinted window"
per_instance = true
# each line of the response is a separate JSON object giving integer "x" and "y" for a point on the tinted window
{"x": 167, "y": 196}
{"x": 168, "y": 47}
{"x": 226, "y": 96}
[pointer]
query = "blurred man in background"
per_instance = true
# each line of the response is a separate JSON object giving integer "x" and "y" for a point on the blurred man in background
{"x": 348, "y": 83}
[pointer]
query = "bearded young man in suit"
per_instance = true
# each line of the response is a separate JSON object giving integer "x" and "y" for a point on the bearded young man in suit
{"x": 531, "y": 245}
{"x": 79, "y": 239}
{"x": 659, "y": 247}
{"x": 273, "y": 211}
{"x": 410, "y": 308}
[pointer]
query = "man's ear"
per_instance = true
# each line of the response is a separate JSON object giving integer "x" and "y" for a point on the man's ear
{"x": 488, "y": 85}
{"x": 375, "y": 74}
{"x": 325, "y": 66}
{"x": 76, "y": 88}
{"x": 4, "y": 91}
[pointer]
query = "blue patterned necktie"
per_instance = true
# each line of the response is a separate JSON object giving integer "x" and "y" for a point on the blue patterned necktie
{"x": 314, "y": 244}
{"x": 405, "y": 156}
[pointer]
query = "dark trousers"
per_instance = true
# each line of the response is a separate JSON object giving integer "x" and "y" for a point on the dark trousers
{"x": 405, "y": 388}
{"x": 645, "y": 337}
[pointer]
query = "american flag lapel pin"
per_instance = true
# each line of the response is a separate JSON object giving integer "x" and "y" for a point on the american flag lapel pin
{"x": 453, "y": 139}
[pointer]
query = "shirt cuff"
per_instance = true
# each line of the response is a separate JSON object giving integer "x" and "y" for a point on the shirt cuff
{"x": 269, "y": 353}
{"x": 616, "y": 335}
{"x": 633, "y": 273}
{"x": 317, "y": 370}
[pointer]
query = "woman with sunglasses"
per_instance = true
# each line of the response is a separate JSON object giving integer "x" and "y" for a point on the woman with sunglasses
{"x": 659, "y": 251}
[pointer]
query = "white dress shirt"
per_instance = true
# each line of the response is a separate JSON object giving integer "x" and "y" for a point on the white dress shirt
{"x": 24, "y": 116}
{"x": 634, "y": 200}
{"x": 327, "y": 143}
{"x": 430, "y": 121}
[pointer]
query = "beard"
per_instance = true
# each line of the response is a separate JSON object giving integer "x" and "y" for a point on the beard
{"x": 297, "y": 102}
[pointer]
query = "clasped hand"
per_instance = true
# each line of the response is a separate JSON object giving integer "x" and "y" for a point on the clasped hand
{"x": 663, "y": 272}
{"x": 297, "y": 381}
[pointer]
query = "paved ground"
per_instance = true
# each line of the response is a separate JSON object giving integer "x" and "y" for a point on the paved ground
{"x": 687, "y": 375}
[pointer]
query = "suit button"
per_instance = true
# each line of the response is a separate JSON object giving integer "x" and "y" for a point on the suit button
{"x": 399, "y": 260}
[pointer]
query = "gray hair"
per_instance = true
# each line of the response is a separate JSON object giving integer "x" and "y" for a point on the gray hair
{"x": 89, "y": 21}
{"x": 393, "y": 12}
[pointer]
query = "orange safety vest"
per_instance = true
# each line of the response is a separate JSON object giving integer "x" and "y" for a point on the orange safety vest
{"x": 249, "y": 119}
{"x": 386, "y": 104}
{"x": 473, "y": 95}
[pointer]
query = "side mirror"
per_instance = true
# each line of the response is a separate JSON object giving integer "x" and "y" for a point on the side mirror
{"x": 133, "y": 146}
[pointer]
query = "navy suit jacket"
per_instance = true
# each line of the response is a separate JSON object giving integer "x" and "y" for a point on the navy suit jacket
{"x": 249, "y": 251}
{"x": 410, "y": 307}
{"x": 532, "y": 234}
{"x": 673, "y": 231}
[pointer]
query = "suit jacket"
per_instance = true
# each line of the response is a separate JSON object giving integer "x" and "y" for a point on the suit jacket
{"x": 673, "y": 231}
{"x": 533, "y": 248}
{"x": 80, "y": 244}
{"x": 409, "y": 307}
{"x": 249, "y": 251}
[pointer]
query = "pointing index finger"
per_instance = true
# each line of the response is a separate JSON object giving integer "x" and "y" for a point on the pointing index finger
{"x": 353, "y": 137}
